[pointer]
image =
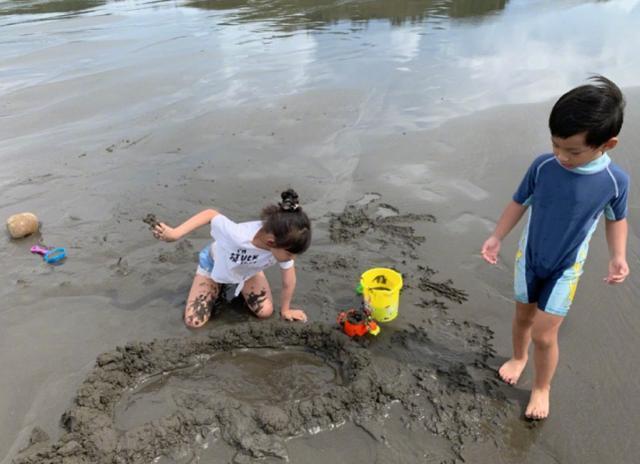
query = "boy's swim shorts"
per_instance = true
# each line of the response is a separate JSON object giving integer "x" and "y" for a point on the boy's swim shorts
{"x": 554, "y": 293}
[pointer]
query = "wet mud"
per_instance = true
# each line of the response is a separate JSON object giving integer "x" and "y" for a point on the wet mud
{"x": 448, "y": 399}
{"x": 151, "y": 220}
{"x": 444, "y": 289}
{"x": 381, "y": 220}
{"x": 436, "y": 370}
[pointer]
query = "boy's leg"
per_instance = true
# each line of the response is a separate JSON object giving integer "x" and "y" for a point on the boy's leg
{"x": 257, "y": 295}
{"x": 521, "y": 338}
{"x": 202, "y": 296}
{"x": 545, "y": 357}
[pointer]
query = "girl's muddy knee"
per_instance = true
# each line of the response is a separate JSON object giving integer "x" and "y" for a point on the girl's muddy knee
{"x": 193, "y": 322}
{"x": 198, "y": 311}
{"x": 260, "y": 304}
{"x": 266, "y": 312}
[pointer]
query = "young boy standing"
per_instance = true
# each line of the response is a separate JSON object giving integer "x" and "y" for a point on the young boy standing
{"x": 566, "y": 193}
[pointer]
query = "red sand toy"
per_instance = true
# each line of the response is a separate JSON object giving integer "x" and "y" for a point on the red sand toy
{"x": 357, "y": 323}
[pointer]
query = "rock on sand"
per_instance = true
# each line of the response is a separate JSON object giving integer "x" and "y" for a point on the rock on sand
{"x": 22, "y": 224}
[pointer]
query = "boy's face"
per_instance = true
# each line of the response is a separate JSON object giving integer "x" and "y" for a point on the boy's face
{"x": 573, "y": 151}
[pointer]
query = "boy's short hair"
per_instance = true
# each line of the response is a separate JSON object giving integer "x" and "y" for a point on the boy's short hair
{"x": 597, "y": 109}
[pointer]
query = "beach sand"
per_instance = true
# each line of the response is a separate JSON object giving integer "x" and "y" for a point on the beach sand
{"x": 119, "y": 285}
{"x": 96, "y": 152}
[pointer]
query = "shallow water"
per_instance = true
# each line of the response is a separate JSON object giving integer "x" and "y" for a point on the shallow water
{"x": 112, "y": 110}
{"x": 252, "y": 376}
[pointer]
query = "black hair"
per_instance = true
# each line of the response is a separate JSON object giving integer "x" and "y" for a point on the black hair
{"x": 288, "y": 223}
{"x": 597, "y": 109}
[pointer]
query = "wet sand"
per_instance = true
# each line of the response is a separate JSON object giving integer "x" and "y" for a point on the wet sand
{"x": 92, "y": 154}
{"x": 459, "y": 400}
{"x": 119, "y": 285}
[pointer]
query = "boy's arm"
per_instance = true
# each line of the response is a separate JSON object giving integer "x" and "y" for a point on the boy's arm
{"x": 170, "y": 234}
{"x": 616, "y": 232}
{"x": 509, "y": 218}
{"x": 288, "y": 287}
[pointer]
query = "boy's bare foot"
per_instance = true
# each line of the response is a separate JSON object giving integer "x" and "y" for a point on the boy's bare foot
{"x": 511, "y": 370}
{"x": 538, "y": 407}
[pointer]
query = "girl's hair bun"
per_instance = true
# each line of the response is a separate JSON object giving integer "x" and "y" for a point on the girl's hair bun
{"x": 289, "y": 201}
{"x": 287, "y": 222}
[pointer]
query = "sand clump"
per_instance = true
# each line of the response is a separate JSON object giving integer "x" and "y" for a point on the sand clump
{"x": 372, "y": 216}
{"x": 151, "y": 220}
{"x": 256, "y": 431}
{"x": 437, "y": 371}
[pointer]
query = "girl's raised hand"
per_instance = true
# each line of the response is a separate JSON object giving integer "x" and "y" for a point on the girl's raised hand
{"x": 163, "y": 232}
{"x": 294, "y": 315}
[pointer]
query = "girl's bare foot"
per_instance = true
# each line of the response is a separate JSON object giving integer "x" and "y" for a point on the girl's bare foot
{"x": 511, "y": 370}
{"x": 538, "y": 407}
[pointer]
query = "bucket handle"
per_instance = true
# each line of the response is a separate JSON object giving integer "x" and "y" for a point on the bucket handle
{"x": 379, "y": 289}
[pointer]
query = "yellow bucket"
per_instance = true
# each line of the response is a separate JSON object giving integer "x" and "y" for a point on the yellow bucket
{"x": 381, "y": 293}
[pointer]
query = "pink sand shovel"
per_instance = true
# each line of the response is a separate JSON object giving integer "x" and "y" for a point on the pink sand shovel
{"x": 51, "y": 256}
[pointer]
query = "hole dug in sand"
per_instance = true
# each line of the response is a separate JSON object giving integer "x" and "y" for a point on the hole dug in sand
{"x": 257, "y": 376}
{"x": 252, "y": 415}
{"x": 254, "y": 386}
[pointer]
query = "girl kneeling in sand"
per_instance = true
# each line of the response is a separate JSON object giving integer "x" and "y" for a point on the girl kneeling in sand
{"x": 239, "y": 254}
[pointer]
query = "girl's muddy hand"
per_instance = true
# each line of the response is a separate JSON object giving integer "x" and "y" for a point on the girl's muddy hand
{"x": 294, "y": 315}
{"x": 165, "y": 233}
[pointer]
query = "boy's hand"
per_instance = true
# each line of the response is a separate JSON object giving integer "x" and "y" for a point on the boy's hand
{"x": 618, "y": 271}
{"x": 490, "y": 249}
{"x": 293, "y": 315}
{"x": 165, "y": 233}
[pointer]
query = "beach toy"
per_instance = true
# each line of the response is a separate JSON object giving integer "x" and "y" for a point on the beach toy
{"x": 23, "y": 224}
{"x": 381, "y": 293}
{"x": 51, "y": 256}
{"x": 356, "y": 323}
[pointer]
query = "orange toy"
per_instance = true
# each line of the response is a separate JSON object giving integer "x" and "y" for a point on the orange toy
{"x": 357, "y": 323}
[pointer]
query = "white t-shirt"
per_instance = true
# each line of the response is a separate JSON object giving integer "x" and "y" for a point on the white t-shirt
{"x": 235, "y": 258}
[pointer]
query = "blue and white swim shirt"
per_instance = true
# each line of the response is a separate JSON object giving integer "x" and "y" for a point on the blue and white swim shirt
{"x": 564, "y": 208}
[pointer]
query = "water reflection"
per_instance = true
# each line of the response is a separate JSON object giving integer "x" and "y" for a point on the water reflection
{"x": 419, "y": 62}
{"x": 18, "y": 7}
{"x": 295, "y": 14}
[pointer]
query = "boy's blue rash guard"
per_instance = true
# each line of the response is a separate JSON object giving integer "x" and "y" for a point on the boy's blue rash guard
{"x": 565, "y": 206}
